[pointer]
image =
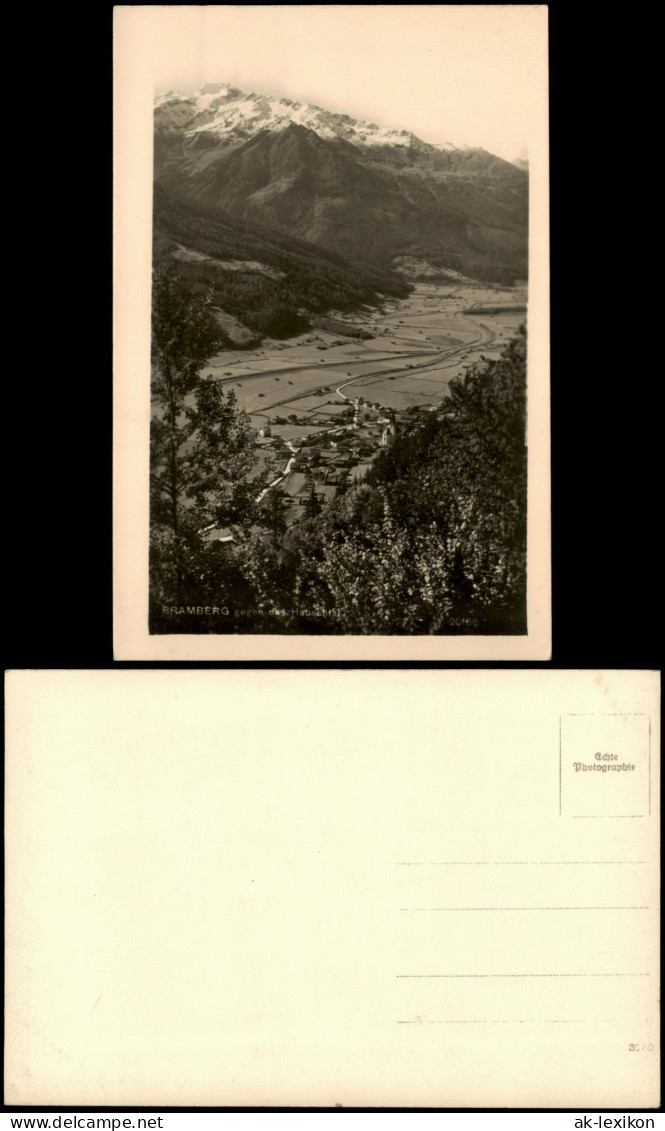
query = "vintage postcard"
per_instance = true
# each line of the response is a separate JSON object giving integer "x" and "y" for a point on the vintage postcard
{"x": 389, "y": 888}
{"x": 332, "y": 337}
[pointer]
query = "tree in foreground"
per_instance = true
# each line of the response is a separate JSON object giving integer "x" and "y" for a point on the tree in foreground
{"x": 201, "y": 447}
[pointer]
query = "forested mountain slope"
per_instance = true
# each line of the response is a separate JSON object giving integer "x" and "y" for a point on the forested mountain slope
{"x": 267, "y": 279}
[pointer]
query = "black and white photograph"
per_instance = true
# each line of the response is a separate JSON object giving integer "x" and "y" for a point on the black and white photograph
{"x": 337, "y": 301}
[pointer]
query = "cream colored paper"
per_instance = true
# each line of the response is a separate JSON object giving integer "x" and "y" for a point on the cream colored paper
{"x": 145, "y": 39}
{"x": 311, "y": 888}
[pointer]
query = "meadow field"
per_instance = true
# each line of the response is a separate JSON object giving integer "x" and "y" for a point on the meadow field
{"x": 420, "y": 344}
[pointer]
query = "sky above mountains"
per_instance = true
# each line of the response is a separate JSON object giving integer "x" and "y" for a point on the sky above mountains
{"x": 468, "y": 75}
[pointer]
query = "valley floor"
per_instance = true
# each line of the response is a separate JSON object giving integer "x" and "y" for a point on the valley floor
{"x": 420, "y": 343}
{"x": 297, "y": 391}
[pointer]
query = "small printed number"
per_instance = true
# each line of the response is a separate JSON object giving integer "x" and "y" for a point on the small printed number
{"x": 640, "y": 1048}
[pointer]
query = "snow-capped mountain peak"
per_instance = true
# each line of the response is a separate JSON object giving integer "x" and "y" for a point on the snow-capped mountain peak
{"x": 222, "y": 110}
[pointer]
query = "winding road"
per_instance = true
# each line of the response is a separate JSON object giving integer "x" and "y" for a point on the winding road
{"x": 434, "y": 358}
{"x": 428, "y": 356}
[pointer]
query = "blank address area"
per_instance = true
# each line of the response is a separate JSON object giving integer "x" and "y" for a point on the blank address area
{"x": 516, "y": 944}
{"x": 517, "y": 885}
{"x": 565, "y": 1000}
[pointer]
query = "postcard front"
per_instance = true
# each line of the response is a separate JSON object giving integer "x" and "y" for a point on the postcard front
{"x": 332, "y": 411}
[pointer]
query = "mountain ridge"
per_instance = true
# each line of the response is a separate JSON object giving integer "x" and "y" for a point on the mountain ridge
{"x": 221, "y": 109}
{"x": 370, "y": 193}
